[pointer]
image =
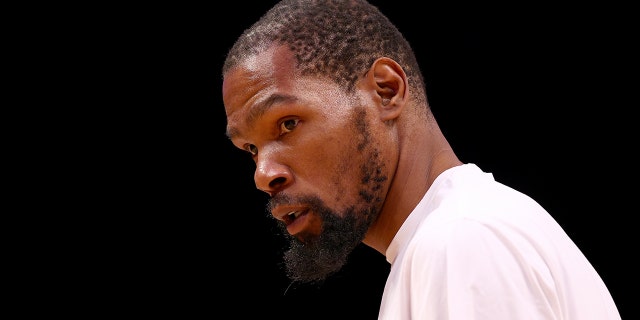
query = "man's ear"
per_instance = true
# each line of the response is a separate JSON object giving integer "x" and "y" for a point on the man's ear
{"x": 387, "y": 78}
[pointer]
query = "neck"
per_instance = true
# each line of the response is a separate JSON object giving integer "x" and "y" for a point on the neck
{"x": 421, "y": 160}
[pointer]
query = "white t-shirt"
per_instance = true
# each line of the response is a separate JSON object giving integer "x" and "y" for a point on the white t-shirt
{"x": 476, "y": 249}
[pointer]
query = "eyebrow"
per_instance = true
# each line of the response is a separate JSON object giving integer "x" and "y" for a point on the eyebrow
{"x": 259, "y": 109}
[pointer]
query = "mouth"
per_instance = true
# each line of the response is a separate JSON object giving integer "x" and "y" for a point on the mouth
{"x": 291, "y": 216}
{"x": 295, "y": 220}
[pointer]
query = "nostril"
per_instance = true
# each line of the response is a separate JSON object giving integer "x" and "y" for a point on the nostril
{"x": 277, "y": 182}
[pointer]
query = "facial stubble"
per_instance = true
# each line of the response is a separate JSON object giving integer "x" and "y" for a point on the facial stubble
{"x": 316, "y": 257}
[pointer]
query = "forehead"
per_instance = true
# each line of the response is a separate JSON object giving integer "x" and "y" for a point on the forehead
{"x": 256, "y": 77}
{"x": 270, "y": 79}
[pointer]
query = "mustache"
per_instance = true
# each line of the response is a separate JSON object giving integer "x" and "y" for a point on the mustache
{"x": 287, "y": 199}
{"x": 280, "y": 199}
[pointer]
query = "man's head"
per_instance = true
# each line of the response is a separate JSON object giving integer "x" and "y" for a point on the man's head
{"x": 314, "y": 92}
{"x": 334, "y": 38}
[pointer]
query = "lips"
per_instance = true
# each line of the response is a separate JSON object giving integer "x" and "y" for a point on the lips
{"x": 291, "y": 216}
{"x": 296, "y": 219}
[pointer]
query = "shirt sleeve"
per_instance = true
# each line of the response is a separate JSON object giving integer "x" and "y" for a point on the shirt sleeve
{"x": 476, "y": 272}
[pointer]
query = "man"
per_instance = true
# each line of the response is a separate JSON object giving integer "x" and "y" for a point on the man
{"x": 328, "y": 99}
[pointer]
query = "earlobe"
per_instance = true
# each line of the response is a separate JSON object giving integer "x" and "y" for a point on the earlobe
{"x": 391, "y": 87}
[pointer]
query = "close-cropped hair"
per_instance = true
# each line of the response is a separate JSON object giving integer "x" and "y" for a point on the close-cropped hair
{"x": 337, "y": 39}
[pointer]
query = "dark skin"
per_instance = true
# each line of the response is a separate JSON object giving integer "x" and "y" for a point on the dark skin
{"x": 341, "y": 168}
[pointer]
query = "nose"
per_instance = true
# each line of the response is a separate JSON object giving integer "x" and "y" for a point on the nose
{"x": 271, "y": 176}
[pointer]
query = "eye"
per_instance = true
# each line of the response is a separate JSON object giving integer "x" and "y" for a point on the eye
{"x": 288, "y": 125}
{"x": 251, "y": 148}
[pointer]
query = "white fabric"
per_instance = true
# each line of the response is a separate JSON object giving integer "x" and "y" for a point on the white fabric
{"x": 476, "y": 249}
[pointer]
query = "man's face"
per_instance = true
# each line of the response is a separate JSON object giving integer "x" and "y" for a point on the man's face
{"x": 315, "y": 154}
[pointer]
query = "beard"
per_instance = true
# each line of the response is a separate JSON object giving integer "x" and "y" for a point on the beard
{"x": 313, "y": 258}
{"x": 316, "y": 257}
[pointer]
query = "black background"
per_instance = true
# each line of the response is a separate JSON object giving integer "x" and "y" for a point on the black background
{"x": 176, "y": 227}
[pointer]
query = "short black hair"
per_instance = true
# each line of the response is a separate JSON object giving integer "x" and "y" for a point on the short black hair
{"x": 339, "y": 39}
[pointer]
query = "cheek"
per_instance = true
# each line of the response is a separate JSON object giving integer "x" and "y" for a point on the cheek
{"x": 324, "y": 163}
{"x": 339, "y": 170}
{"x": 330, "y": 163}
